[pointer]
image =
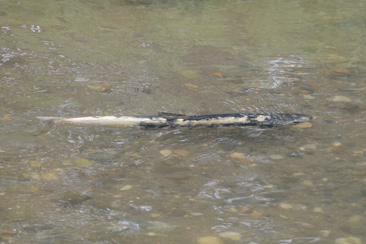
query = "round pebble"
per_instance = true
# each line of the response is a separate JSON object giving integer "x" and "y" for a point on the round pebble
{"x": 101, "y": 88}
{"x": 166, "y": 152}
{"x": 209, "y": 240}
{"x": 257, "y": 214}
{"x": 318, "y": 210}
{"x": 285, "y": 205}
{"x": 190, "y": 85}
{"x": 309, "y": 97}
{"x": 233, "y": 210}
{"x": 324, "y": 233}
{"x": 237, "y": 155}
{"x": 189, "y": 74}
{"x": 348, "y": 240}
{"x": 126, "y": 188}
{"x": 355, "y": 219}
{"x": 234, "y": 236}
{"x": 307, "y": 225}
{"x": 307, "y": 183}
{"x": 276, "y": 156}
{"x": 354, "y": 226}
{"x": 81, "y": 79}
{"x": 308, "y": 147}
{"x": 160, "y": 227}
{"x": 341, "y": 99}
{"x": 336, "y": 144}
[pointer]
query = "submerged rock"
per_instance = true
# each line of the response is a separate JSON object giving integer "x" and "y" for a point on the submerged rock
{"x": 231, "y": 235}
{"x": 189, "y": 74}
{"x": 277, "y": 157}
{"x": 124, "y": 226}
{"x": 160, "y": 227}
{"x": 324, "y": 233}
{"x": 356, "y": 225}
{"x": 166, "y": 152}
{"x": 237, "y": 155}
{"x": 209, "y": 240}
{"x": 341, "y": 99}
{"x": 348, "y": 240}
{"x": 126, "y": 188}
{"x": 81, "y": 79}
{"x": 285, "y": 205}
{"x": 101, "y": 88}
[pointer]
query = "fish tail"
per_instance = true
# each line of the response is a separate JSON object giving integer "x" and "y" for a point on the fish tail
{"x": 50, "y": 119}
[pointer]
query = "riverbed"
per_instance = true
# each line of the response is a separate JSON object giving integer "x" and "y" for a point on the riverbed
{"x": 90, "y": 184}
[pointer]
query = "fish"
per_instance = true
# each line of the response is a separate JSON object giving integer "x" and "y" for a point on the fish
{"x": 181, "y": 120}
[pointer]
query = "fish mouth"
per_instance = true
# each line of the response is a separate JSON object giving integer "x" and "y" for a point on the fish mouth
{"x": 288, "y": 119}
{"x": 300, "y": 118}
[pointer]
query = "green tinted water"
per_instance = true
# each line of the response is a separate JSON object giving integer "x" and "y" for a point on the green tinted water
{"x": 71, "y": 184}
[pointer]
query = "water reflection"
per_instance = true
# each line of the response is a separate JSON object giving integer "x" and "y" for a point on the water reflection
{"x": 284, "y": 70}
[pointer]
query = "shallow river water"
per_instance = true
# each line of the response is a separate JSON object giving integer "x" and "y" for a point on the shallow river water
{"x": 86, "y": 184}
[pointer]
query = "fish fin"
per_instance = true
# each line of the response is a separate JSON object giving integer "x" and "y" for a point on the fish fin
{"x": 171, "y": 116}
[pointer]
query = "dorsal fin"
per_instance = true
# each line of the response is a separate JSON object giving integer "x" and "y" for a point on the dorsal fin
{"x": 172, "y": 116}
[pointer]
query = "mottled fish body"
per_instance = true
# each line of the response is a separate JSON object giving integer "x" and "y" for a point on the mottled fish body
{"x": 230, "y": 119}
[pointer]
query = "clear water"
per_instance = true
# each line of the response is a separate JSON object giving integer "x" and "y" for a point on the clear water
{"x": 74, "y": 184}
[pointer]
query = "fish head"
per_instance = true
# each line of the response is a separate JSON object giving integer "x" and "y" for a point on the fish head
{"x": 288, "y": 119}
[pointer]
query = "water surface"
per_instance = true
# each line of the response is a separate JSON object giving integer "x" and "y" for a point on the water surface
{"x": 84, "y": 184}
